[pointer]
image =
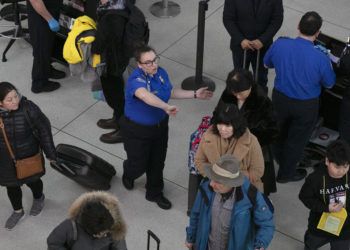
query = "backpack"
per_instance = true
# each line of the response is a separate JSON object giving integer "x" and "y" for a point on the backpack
{"x": 136, "y": 29}
{"x": 252, "y": 193}
{"x": 195, "y": 139}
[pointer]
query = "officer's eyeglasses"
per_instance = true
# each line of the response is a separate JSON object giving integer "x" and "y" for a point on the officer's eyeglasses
{"x": 151, "y": 62}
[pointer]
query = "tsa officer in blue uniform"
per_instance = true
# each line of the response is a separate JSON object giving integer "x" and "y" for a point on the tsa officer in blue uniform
{"x": 145, "y": 123}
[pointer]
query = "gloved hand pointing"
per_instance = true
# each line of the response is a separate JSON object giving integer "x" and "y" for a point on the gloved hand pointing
{"x": 54, "y": 25}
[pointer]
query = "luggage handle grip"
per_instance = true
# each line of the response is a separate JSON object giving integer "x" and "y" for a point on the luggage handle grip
{"x": 151, "y": 234}
{"x": 62, "y": 166}
{"x": 257, "y": 63}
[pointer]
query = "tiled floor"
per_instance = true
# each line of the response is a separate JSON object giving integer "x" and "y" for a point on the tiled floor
{"x": 73, "y": 114}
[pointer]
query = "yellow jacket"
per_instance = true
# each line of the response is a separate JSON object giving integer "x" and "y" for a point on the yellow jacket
{"x": 83, "y": 31}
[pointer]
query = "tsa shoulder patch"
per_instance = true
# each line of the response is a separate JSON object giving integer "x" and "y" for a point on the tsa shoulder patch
{"x": 140, "y": 79}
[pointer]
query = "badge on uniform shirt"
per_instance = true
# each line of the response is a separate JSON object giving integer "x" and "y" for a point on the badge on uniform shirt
{"x": 161, "y": 79}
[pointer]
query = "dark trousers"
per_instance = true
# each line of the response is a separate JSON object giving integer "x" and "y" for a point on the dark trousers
{"x": 344, "y": 122}
{"x": 269, "y": 177}
{"x": 237, "y": 55}
{"x": 296, "y": 120}
{"x": 194, "y": 181}
{"x": 15, "y": 193}
{"x": 313, "y": 242}
{"x": 42, "y": 40}
{"x": 113, "y": 90}
{"x": 146, "y": 148}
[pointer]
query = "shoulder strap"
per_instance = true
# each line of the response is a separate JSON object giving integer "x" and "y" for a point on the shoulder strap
{"x": 252, "y": 191}
{"x": 26, "y": 114}
{"x": 6, "y": 140}
{"x": 75, "y": 234}
{"x": 204, "y": 194}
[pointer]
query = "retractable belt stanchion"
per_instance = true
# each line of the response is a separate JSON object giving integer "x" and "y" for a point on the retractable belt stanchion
{"x": 165, "y": 9}
{"x": 197, "y": 81}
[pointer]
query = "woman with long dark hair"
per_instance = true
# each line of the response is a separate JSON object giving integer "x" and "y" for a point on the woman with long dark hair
{"x": 229, "y": 135}
{"x": 20, "y": 117}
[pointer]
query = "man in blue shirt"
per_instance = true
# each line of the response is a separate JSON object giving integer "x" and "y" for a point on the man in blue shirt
{"x": 301, "y": 72}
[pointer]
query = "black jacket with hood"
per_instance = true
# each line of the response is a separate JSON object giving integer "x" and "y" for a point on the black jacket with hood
{"x": 62, "y": 237}
{"x": 316, "y": 196}
{"x": 22, "y": 140}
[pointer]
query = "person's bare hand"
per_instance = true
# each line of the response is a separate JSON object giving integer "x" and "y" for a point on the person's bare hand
{"x": 335, "y": 207}
{"x": 256, "y": 44}
{"x": 252, "y": 177}
{"x": 204, "y": 93}
{"x": 246, "y": 44}
{"x": 188, "y": 245}
{"x": 171, "y": 110}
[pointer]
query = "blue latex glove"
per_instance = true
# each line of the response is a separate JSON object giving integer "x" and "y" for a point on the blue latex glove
{"x": 54, "y": 25}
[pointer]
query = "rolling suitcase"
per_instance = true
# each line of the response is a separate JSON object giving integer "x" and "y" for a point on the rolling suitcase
{"x": 83, "y": 167}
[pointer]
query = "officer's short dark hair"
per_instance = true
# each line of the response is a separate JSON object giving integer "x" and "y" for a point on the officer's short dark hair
{"x": 310, "y": 23}
{"x": 338, "y": 152}
{"x": 141, "y": 49}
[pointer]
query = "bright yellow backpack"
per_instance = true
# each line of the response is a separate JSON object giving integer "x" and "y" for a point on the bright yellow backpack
{"x": 83, "y": 31}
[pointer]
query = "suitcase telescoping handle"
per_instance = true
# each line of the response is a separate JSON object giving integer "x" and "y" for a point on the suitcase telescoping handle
{"x": 257, "y": 63}
{"x": 149, "y": 235}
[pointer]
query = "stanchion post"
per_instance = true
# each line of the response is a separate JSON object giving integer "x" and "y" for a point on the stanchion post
{"x": 197, "y": 81}
{"x": 165, "y": 9}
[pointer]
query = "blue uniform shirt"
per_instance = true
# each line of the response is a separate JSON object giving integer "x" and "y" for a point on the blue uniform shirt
{"x": 137, "y": 110}
{"x": 301, "y": 69}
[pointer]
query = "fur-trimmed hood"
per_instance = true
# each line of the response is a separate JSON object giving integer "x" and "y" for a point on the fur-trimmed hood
{"x": 111, "y": 203}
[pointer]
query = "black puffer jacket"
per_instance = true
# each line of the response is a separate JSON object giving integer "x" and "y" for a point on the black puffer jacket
{"x": 22, "y": 140}
{"x": 257, "y": 110}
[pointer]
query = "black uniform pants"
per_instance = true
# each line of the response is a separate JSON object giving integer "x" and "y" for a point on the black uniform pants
{"x": 146, "y": 148}
{"x": 113, "y": 90}
{"x": 15, "y": 193}
{"x": 238, "y": 55}
{"x": 313, "y": 242}
{"x": 296, "y": 120}
{"x": 42, "y": 40}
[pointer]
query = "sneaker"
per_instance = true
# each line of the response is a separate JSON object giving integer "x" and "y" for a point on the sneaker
{"x": 56, "y": 74}
{"x": 13, "y": 220}
{"x": 38, "y": 205}
{"x": 48, "y": 87}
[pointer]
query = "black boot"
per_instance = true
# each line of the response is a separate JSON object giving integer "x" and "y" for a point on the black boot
{"x": 110, "y": 123}
{"x": 56, "y": 74}
{"x": 112, "y": 137}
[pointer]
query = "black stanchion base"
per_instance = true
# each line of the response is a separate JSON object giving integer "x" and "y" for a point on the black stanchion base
{"x": 190, "y": 83}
